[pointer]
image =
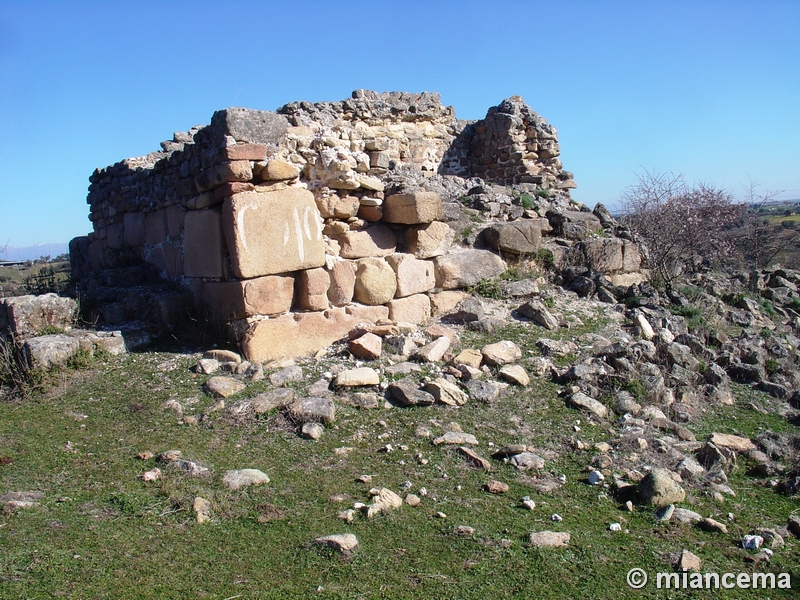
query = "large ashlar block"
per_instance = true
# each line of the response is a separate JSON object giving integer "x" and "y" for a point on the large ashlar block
{"x": 413, "y": 276}
{"x": 412, "y": 309}
{"x": 215, "y": 176}
{"x": 466, "y": 268}
{"x": 343, "y": 281}
{"x": 376, "y": 282}
{"x": 233, "y": 300}
{"x": 134, "y": 229}
{"x": 427, "y": 241}
{"x": 203, "y": 243}
{"x": 273, "y": 232}
{"x": 377, "y": 240}
{"x": 312, "y": 289}
{"x": 300, "y": 334}
{"x": 412, "y": 208}
{"x": 519, "y": 237}
{"x": 155, "y": 227}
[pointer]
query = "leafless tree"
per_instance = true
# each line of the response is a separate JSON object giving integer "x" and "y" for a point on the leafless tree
{"x": 681, "y": 227}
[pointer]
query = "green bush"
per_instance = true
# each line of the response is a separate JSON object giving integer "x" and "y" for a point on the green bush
{"x": 772, "y": 366}
{"x": 545, "y": 258}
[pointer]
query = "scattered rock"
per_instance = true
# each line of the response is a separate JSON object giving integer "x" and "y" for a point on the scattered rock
{"x": 356, "y": 377}
{"x": 312, "y": 431}
{"x": 483, "y": 391}
{"x": 202, "y": 509}
{"x": 582, "y": 401}
{"x": 272, "y": 399}
{"x": 515, "y": 374}
{"x": 732, "y": 442}
{"x": 501, "y": 353}
{"x": 457, "y": 438}
{"x": 435, "y": 351}
{"x": 224, "y": 387}
{"x": 286, "y": 375}
{"x": 445, "y": 392}
{"x": 316, "y": 410}
{"x": 549, "y": 539}
{"x": 344, "y": 543}
{"x": 474, "y": 458}
{"x": 709, "y": 524}
{"x": 369, "y": 346}
{"x": 659, "y": 488}
{"x": 244, "y": 477}
{"x": 151, "y": 475}
{"x": 406, "y": 392}
{"x": 496, "y": 487}
{"x": 688, "y": 562}
{"x": 538, "y": 313}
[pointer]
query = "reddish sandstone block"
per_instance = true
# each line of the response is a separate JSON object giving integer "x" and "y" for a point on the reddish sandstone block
{"x": 312, "y": 289}
{"x": 233, "y": 300}
{"x": 343, "y": 281}
{"x": 413, "y": 276}
{"x": 413, "y": 208}
{"x": 203, "y": 243}
{"x": 244, "y": 152}
{"x": 273, "y": 232}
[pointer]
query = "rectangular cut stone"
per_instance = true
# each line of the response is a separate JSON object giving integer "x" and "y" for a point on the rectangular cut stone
{"x": 203, "y": 245}
{"x": 175, "y": 217}
{"x": 377, "y": 240}
{"x": 215, "y": 176}
{"x": 413, "y": 208}
{"x": 116, "y": 236}
{"x": 312, "y": 289}
{"x": 273, "y": 232}
{"x": 342, "y": 282}
{"x": 413, "y": 276}
{"x": 233, "y": 300}
{"x": 300, "y": 334}
{"x": 134, "y": 229}
{"x": 155, "y": 227}
{"x": 244, "y": 152}
{"x": 412, "y": 309}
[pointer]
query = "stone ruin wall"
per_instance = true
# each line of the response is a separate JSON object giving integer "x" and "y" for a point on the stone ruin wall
{"x": 295, "y": 226}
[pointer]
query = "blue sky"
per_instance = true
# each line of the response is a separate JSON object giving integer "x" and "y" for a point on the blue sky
{"x": 708, "y": 89}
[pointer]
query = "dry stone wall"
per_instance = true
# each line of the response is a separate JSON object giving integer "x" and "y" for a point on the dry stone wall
{"x": 295, "y": 226}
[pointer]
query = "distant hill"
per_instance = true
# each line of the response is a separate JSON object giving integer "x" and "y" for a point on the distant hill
{"x": 34, "y": 252}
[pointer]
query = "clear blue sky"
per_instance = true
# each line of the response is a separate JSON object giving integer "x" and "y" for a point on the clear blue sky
{"x": 709, "y": 89}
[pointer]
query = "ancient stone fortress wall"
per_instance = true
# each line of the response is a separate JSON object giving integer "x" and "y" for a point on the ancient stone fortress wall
{"x": 296, "y": 226}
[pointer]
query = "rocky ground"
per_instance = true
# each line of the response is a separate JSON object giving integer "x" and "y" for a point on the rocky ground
{"x": 527, "y": 440}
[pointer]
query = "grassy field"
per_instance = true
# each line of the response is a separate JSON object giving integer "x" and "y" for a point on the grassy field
{"x": 101, "y": 532}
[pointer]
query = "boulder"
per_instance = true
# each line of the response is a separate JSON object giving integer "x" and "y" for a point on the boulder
{"x": 549, "y": 539}
{"x": 48, "y": 351}
{"x": 427, "y": 241}
{"x": 375, "y": 283}
{"x": 358, "y": 376}
{"x": 466, "y": 268}
{"x": 313, "y": 410}
{"x": 412, "y": 309}
{"x": 406, "y": 392}
{"x": 414, "y": 276}
{"x": 29, "y": 315}
{"x": 233, "y": 300}
{"x": 244, "y": 477}
{"x": 517, "y": 237}
{"x": 660, "y": 489}
{"x": 501, "y": 353}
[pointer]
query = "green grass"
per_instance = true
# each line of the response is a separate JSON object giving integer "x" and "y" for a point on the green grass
{"x": 102, "y": 533}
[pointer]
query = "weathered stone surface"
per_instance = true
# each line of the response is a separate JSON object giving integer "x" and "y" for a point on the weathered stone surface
{"x": 368, "y": 346}
{"x": 501, "y": 353}
{"x": 240, "y": 478}
{"x": 412, "y": 309}
{"x": 279, "y": 170}
{"x": 660, "y": 489}
{"x": 483, "y": 391}
{"x": 358, "y": 376}
{"x": 549, "y": 539}
{"x": 537, "y": 312}
{"x": 412, "y": 208}
{"x": 48, "y": 351}
{"x": 474, "y": 458}
{"x": 345, "y": 542}
{"x": 582, "y": 401}
{"x": 223, "y": 387}
{"x": 527, "y": 460}
{"x": 272, "y": 399}
{"x": 342, "y": 282}
{"x": 427, "y": 241}
{"x": 445, "y": 392}
{"x": 244, "y": 152}
{"x": 457, "y": 438}
{"x": 375, "y": 283}
{"x": 286, "y": 375}
{"x": 414, "y": 276}
{"x": 644, "y": 325}
{"x": 247, "y": 125}
{"x": 377, "y": 240}
{"x": 434, "y": 351}
{"x": 470, "y": 357}
{"x": 733, "y": 442}
{"x": 518, "y": 237}
{"x": 273, "y": 232}
{"x": 221, "y": 173}
{"x": 317, "y": 410}
{"x": 406, "y": 392}
{"x": 466, "y": 268}
{"x": 133, "y": 223}
{"x": 28, "y": 315}
{"x": 688, "y": 562}
{"x": 312, "y": 289}
{"x": 233, "y": 300}
{"x": 515, "y": 374}
{"x": 203, "y": 243}
{"x": 444, "y": 302}
{"x": 300, "y": 334}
